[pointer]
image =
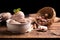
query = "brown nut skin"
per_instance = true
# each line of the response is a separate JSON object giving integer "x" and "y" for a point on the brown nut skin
{"x": 39, "y": 17}
{"x": 42, "y": 21}
{"x": 34, "y": 26}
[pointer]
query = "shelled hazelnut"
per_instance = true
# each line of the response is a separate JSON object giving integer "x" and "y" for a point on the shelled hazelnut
{"x": 42, "y": 28}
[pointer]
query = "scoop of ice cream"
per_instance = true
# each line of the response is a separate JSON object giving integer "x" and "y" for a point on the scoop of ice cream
{"x": 5, "y": 16}
{"x": 22, "y": 20}
{"x": 19, "y": 17}
{"x": 19, "y": 14}
{"x": 0, "y": 17}
{"x": 11, "y": 21}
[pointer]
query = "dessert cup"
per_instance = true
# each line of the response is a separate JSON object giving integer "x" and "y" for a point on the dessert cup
{"x": 19, "y": 28}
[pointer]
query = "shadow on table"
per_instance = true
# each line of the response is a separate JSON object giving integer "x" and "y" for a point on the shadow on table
{"x": 9, "y": 33}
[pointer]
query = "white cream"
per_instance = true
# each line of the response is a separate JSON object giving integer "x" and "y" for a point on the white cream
{"x": 11, "y": 21}
{"x": 21, "y": 14}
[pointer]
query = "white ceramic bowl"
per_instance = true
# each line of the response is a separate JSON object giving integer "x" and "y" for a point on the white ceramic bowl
{"x": 19, "y": 28}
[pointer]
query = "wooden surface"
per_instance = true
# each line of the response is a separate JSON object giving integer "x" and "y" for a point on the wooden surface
{"x": 33, "y": 34}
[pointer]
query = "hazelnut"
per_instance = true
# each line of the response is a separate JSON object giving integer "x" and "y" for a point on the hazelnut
{"x": 43, "y": 28}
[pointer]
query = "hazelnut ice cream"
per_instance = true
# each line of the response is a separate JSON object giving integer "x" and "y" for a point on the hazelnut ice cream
{"x": 18, "y": 23}
{"x": 5, "y": 16}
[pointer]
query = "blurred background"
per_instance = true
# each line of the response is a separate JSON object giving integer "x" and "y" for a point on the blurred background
{"x": 28, "y": 6}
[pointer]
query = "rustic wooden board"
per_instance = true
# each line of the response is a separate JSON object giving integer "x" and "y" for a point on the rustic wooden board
{"x": 33, "y": 34}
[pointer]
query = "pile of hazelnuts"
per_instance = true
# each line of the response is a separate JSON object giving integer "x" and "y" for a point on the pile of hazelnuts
{"x": 42, "y": 21}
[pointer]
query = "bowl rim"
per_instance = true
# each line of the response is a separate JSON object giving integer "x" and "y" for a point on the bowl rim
{"x": 18, "y": 24}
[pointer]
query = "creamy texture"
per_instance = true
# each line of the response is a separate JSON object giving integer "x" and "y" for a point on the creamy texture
{"x": 5, "y": 16}
{"x": 20, "y": 14}
{"x": 11, "y": 21}
{"x": 19, "y": 17}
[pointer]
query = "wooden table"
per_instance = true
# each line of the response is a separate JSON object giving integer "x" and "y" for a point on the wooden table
{"x": 33, "y": 34}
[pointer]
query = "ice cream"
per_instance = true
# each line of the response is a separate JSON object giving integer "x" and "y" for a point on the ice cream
{"x": 18, "y": 23}
{"x": 19, "y": 16}
{"x": 11, "y": 21}
{"x": 5, "y": 16}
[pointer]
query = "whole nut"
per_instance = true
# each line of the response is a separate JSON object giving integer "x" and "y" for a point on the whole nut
{"x": 43, "y": 28}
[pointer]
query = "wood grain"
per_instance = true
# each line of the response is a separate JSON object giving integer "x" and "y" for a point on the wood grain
{"x": 33, "y": 34}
